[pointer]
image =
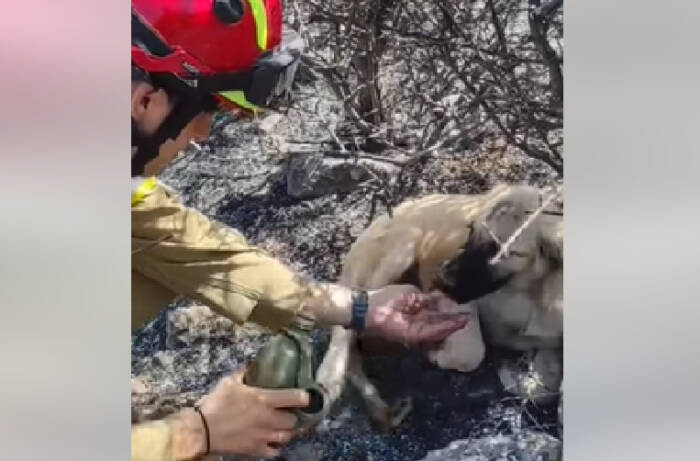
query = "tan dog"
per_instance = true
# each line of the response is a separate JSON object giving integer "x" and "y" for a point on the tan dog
{"x": 451, "y": 243}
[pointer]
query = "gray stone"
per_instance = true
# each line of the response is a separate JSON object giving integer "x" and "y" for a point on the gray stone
{"x": 522, "y": 446}
{"x": 315, "y": 175}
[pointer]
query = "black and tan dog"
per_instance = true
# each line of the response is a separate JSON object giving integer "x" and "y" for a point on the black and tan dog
{"x": 454, "y": 243}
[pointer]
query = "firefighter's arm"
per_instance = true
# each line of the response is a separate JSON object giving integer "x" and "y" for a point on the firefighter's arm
{"x": 206, "y": 261}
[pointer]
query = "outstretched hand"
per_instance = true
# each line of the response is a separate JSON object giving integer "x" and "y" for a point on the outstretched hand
{"x": 402, "y": 313}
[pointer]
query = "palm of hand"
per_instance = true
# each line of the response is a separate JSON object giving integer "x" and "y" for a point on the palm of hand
{"x": 402, "y": 313}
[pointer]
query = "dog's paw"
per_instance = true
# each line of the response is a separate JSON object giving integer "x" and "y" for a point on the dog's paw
{"x": 388, "y": 418}
{"x": 400, "y": 410}
{"x": 536, "y": 378}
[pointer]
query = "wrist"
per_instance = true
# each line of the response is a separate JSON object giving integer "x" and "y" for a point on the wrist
{"x": 342, "y": 300}
{"x": 331, "y": 305}
{"x": 189, "y": 435}
{"x": 360, "y": 310}
{"x": 373, "y": 312}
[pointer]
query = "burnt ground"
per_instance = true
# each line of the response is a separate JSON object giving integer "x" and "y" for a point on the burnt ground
{"x": 239, "y": 177}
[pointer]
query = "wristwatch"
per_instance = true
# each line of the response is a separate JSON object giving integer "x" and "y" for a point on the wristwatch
{"x": 360, "y": 304}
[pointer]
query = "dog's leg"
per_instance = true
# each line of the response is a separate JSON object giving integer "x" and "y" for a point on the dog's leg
{"x": 343, "y": 359}
{"x": 332, "y": 370}
{"x": 378, "y": 409}
{"x": 386, "y": 416}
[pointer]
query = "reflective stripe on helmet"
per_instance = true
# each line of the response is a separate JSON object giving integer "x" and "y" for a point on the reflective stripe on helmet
{"x": 260, "y": 16}
{"x": 238, "y": 98}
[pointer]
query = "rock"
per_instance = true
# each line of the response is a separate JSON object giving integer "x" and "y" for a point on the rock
{"x": 523, "y": 446}
{"x": 313, "y": 175}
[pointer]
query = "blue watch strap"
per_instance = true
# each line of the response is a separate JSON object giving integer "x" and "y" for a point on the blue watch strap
{"x": 360, "y": 304}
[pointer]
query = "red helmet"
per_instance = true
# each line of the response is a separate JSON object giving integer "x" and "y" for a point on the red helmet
{"x": 209, "y": 52}
{"x": 211, "y": 36}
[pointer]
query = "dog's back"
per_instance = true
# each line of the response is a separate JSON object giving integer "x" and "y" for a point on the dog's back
{"x": 423, "y": 232}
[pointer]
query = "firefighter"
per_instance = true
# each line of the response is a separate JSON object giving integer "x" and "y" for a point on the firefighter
{"x": 189, "y": 59}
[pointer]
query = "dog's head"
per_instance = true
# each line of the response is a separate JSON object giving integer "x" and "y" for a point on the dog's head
{"x": 481, "y": 267}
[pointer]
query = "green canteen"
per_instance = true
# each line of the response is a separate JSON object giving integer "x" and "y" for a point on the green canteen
{"x": 286, "y": 362}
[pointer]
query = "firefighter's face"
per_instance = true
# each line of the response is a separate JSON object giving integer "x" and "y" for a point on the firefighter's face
{"x": 197, "y": 130}
{"x": 149, "y": 108}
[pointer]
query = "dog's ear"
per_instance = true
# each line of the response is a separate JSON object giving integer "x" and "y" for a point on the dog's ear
{"x": 552, "y": 239}
{"x": 446, "y": 274}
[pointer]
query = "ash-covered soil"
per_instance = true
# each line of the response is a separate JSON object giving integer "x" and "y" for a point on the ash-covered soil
{"x": 240, "y": 177}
